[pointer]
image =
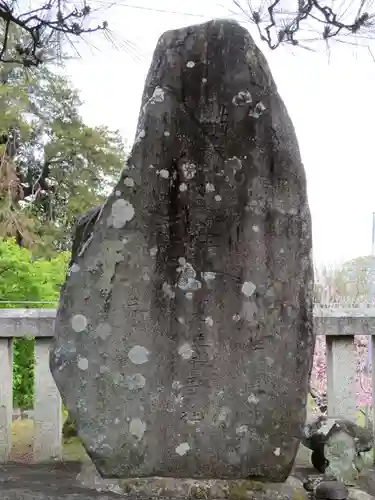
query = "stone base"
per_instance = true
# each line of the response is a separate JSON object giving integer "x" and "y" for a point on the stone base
{"x": 156, "y": 487}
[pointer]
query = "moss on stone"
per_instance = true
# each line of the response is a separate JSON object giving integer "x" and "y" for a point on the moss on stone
{"x": 240, "y": 489}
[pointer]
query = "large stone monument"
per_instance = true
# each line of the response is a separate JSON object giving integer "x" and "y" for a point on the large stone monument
{"x": 184, "y": 331}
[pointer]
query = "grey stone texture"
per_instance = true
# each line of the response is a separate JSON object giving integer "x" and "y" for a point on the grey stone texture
{"x": 337, "y": 445}
{"x": 184, "y": 337}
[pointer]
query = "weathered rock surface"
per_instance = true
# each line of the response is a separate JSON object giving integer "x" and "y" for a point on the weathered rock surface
{"x": 331, "y": 490}
{"x": 163, "y": 487}
{"x": 184, "y": 332}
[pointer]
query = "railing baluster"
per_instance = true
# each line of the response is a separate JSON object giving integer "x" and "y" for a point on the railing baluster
{"x": 373, "y": 394}
{"x": 6, "y": 397}
{"x": 341, "y": 377}
{"x": 47, "y": 407}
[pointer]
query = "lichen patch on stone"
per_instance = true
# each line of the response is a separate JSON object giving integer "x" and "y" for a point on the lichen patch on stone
{"x": 209, "y": 321}
{"x": 252, "y": 399}
{"x": 79, "y": 323}
{"x": 138, "y": 355}
{"x": 185, "y": 351}
{"x": 248, "y": 288}
{"x": 122, "y": 212}
{"x": 129, "y": 182}
{"x": 189, "y": 170}
{"x": 103, "y": 330}
{"x": 135, "y": 381}
{"x": 82, "y": 363}
{"x": 242, "y": 98}
{"x": 182, "y": 449}
{"x": 163, "y": 173}
{"x": 137, "y": 428}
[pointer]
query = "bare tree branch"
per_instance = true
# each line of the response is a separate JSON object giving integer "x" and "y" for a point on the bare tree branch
{"x": 41, "y": 27}
{"x": 277, "y": 24}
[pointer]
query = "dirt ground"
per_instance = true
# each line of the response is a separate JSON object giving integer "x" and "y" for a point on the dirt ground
{"x": 45, "y": 482}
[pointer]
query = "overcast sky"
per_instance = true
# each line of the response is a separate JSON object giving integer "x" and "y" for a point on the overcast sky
{"x": 331, "y": 101}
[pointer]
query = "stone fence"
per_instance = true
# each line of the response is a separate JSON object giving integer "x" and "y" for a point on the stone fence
{"x": 339, "y": 325}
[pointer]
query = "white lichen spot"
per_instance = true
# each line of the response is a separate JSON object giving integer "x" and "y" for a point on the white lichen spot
{"x": 209, "y": 321}
{"x": 117, "y": 420}
{"x": 252, "y": 399}
{"x": 183, "y": 187}
{"x": 146, "y": 276}
{"x": 186, "y": 280}
{"x": 204, "y": 80}
{"x": 137, "y": 428}
{"x": 138, "y": 355}
{"x": 157, "y": 96}
{"x": 217, "y": 197}
{"x": 208, "y": 276}
{"x": 242, "y": 98}
{"x": 135, "y": 381}
{"x": 181, "y": 320}
{"x": 167, "y": 134}
{"x": 179, "y": 400}
{"x": 74, "y": 268}
{"x": 182, "y": 261}
{"x": 129, "y": 182}
{"x": 79, "y": 322}
{"x": 210, "y": 188}
{"x": 122, "y": 212}
{"x": 236, "y": 317}
{"x": 182, "y": 449}
{"x": 82, "y": 363}
{"x": 117, "y": 193}
{"x": 277, "y": 452}
{"x": 163, "y": 173}
{"x": 168, "y": 290}
{"x": 258, "y": 110}
{"x": 189, "y": 296}
{"x": 190, "y": 64}
{"x": 242, "y": 430}
{"x": 151, "y": 167}
{"x": 141, "y": 135}
{"x": 189, "y": 170}
{"x": 248, "y": 288}
{"x": 103, "y": 330}
{"x": 269, "y": 361}
{"x": 153, "y": 251}
{"x": 282, "y": 251}
{"x": 255, "y": 229}
{"x": 185, "y": 351}
{"x": 176, "y": 385}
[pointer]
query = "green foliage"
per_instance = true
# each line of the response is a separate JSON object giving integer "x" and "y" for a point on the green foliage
{"x": 53, "y": 166}
{"x": 23, "y": 278}
{"x": 349, "y": 283}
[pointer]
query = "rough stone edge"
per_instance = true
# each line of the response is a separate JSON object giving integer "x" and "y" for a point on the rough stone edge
{"x": 157, "y": 487}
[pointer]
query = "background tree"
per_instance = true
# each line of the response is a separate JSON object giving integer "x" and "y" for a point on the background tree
{"x": 304, "y": 21}
{"x": 52, "y": 165}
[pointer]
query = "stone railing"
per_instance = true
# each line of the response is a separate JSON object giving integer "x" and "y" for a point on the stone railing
{"x": 339, "y": 325}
